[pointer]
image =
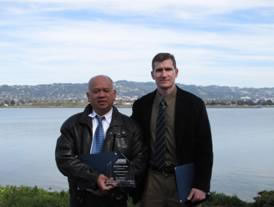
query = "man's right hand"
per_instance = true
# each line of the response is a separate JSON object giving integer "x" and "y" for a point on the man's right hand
{"x": 103, "y": 183}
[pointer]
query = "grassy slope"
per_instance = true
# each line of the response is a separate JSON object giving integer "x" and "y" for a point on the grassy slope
{"x": 23, "y": 196}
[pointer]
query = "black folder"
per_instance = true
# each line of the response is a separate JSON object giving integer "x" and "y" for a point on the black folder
{"x": 184, "y": 178}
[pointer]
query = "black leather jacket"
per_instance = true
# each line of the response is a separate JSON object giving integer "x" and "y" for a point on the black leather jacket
{"x": 75, "y": 140}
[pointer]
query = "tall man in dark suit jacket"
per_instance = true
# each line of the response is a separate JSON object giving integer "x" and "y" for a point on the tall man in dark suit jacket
{"x": 186, "y": 132}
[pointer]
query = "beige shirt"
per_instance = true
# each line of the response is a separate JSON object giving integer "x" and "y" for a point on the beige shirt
{"x": 170, "y": 119}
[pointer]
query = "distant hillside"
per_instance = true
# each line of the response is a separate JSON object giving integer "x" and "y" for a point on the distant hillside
{"x": 58, "y": 91}
{"x": 127, "y": 90}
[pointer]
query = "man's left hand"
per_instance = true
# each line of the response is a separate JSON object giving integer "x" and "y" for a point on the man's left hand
{"x": 196, "y": 195}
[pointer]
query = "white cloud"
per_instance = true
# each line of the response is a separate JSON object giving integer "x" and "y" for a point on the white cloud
{"x": 52, "y": 48}
{"x": 184, "y": 9}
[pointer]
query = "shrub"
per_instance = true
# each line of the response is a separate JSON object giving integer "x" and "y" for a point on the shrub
{"x": 264, "y": 199}
{"x": 22, "y": 196}
{"x": 222, "y": 200}
{"x": 11, "y": 196}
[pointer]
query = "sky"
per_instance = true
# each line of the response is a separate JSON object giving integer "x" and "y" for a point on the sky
{"x": 215, "y": 42}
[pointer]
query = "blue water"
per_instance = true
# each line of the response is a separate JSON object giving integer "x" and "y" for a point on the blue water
{"x": 243, "y": 148}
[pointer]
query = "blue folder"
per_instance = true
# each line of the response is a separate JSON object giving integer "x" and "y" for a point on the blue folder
{"x": 100, "y": 162}
{"x": 184, "y": 178}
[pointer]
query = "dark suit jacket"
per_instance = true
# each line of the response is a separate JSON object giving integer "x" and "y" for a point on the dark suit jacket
{"x": 192, "y": 133}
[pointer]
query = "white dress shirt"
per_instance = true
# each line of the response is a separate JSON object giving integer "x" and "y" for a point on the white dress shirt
{"x": 105, "y": 122}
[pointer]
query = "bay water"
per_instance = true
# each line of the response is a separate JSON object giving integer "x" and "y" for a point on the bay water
{"x": 243, "y": 141}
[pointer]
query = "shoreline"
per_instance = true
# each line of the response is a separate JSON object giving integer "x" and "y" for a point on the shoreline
{"x": 130, "y": 106}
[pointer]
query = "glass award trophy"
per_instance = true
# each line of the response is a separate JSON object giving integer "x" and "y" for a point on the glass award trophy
{"x": 119, "y": 170}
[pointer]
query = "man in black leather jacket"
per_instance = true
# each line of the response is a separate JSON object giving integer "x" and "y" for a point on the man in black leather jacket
{"x": 86, "y": 186}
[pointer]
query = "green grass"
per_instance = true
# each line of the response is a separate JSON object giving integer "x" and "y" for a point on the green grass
{"x": 11, "y": 196}
{"x": 23, "y": 196}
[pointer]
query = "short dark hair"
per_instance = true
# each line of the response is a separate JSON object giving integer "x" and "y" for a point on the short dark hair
{"x": 160, "y": 57}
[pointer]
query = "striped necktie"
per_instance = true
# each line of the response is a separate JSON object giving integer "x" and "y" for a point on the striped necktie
{"x": 98, "y": 140}
{"x": 159, "y": 146}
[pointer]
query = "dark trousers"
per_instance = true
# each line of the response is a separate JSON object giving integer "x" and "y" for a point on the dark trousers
{"x": 87, "y": 199}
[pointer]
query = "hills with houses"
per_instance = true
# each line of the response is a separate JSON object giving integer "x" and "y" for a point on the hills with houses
{"x": 128, "y": 91}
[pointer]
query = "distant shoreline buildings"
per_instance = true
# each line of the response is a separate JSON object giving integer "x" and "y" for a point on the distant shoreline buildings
{"x": 73, "y": 95}
{"x": 121, "y": 102}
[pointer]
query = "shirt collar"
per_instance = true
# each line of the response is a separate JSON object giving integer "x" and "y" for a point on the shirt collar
{"x": 107, "y": 116}
{"x": 168, "y": 98}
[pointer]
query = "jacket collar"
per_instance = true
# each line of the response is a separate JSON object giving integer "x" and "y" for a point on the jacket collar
{"x": 85, "y": 119}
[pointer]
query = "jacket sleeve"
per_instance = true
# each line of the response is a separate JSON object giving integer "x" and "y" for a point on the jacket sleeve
{"x": 139, "y": 161}
{"x": 139, "y": 152}
{"x": 203, "y": 150}
{"x": 135, "y": 114}
{"x": 68, "y": 161}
